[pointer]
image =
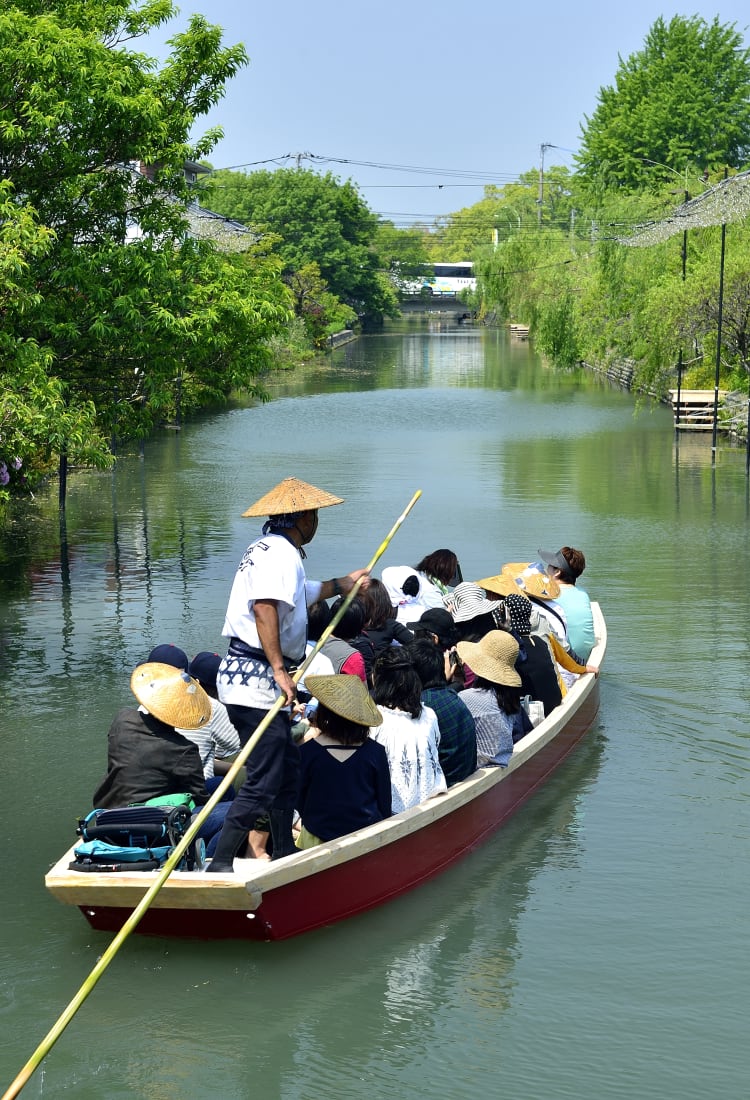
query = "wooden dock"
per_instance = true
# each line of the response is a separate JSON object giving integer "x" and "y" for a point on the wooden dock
{"x": 695, "y": 412}
{"x": 521, "y": 332}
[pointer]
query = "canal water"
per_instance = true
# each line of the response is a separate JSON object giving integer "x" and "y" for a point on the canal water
{"x": 597, "y": 947}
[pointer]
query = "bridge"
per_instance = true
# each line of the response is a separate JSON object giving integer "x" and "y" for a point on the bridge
{"x": 417, "y": 303}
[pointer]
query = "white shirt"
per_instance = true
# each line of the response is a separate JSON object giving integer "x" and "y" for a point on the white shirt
{"x": 271, "y": 569}
{"x": 411, "y": 745}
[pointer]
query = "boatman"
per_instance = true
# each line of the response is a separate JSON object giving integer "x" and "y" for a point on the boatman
{"x": 266, "y": 624}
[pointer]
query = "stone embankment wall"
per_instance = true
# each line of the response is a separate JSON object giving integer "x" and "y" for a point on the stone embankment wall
{"x": 343, "y": 337}
{"x": 622, "y": 372}
{"x": 733, "y": 411}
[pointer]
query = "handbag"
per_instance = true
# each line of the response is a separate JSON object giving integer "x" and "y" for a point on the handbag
{"x": 534, "y": 709}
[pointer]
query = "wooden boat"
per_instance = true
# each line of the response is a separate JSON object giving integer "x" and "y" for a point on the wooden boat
{"x": 276, "y": 900}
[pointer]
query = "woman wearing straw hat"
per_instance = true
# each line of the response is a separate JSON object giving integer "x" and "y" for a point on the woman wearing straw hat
{"x": 146, "y": 757}
{"x": 266, "y": 624}
{"x": 345, "y": 781}
{"x": 494, "y": 698}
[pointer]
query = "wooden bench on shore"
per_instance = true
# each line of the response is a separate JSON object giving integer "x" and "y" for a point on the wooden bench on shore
{"x": 695, "y": 412}
{"x": 521, "y": 332}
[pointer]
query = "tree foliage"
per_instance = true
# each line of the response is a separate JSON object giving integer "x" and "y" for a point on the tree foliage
{"x": 112, "y": 315}
{"x": 316, "y": 219}
{"x": 681, "y": 102}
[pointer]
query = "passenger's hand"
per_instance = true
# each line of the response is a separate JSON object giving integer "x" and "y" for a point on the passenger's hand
{"x": 593, "y": 668}
{"x": 454, "y": 668}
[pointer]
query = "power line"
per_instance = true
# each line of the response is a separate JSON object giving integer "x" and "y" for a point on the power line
{"x": 451, "y": 173}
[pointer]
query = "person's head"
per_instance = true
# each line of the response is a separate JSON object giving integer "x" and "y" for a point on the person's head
{"x": 467, "y": 600}
{"x": 493, "y": 658}
{"x": 576, "y": 564}
{"x": 493, "y": 662}
{"x": 437, "y": 625}
{"x": 292, "y": 506}
{"x": 429, "y": 662}
{"x": 440, "y": 564}
{"x": 345, "y": 709}
{"x": 318, "y": 618}
{"x": 396, "y": 684}
{"x": 204, "y": 668}
{"x": 171, "y": 695}
{"x": 352, "y": 621}
{"x": 377, "y": 604}
{"x": 565, "y": 565}
{"x": 168, "y": 654}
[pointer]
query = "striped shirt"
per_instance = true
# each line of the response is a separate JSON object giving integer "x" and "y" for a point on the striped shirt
{"x": 494, "y": 727}
{"x": 217, "y": 738}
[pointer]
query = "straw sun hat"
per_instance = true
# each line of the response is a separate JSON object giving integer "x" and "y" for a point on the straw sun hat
{"x": 346, "y": 696}
{"x": 171, "y": 695}
{"x": 493, "y": 658}
{"x": 292, "y": 495}
{"x": 530, "y": 581}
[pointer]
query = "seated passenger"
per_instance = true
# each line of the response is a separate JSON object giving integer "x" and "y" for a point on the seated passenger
{"x": 348, "y": 632}
{"x": 533, "y": 581}
{"x": 415, "y": 589}
{"x": 345, "y": 781}
{"x": 402, "y": 585}
{"x": 473, "y": 614}
{"x": 567, "y": 665}
{"x": 217, "y": 737}
{"x": 409, "y": 732}
{"x": 458, "y": 736}
{"x": 337, "y": 654}
{"x": 565, "y": 567}
{"x": 535, "y": 664}
{"x": 146, "y": 756}
{"x": 494, "y": 698}
{"x": 436, "y": 624}
{"x": 438, "y": 572}
{"x": 381, "y": 625}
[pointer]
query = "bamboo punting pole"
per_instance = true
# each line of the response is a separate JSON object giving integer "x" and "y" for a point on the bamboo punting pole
{"x": 135, "y": 917}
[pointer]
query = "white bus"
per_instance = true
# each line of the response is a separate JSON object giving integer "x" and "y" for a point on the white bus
{"x": 442, "y": 280}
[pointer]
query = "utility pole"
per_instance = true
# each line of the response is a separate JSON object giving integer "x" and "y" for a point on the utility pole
{"x": 542, "y": 149}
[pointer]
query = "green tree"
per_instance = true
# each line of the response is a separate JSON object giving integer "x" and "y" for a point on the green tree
{"x": 132, "y": 316}
{"x": 682, "y": 102}
{"x": 317, "y": 219}
{"x": 36, "y": 418}
{"x": 402, "y": 252}
{"x": 323, "y": 314}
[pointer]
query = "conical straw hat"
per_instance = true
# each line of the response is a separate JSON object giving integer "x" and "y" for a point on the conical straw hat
{"x": 292, "y": 495}
{"x": 493, "y": 658}
{"x": 531, "y": 582}
{"x": 502, "y": 584}
{"x": 171, "y": 695}
{"x": 347, "y": 696}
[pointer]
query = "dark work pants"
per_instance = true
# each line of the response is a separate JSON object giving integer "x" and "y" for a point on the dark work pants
{"x": 272, "y": 768}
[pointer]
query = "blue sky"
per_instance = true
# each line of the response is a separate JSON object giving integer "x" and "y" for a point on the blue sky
{"x": 459, "y": 94}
